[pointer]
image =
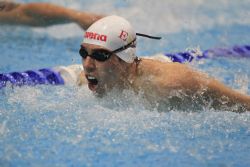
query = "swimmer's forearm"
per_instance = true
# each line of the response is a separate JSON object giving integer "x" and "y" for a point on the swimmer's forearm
{"x": 45, "y": 14}
{"x": 223, "y": 95}
{"x": 41, "y": 14}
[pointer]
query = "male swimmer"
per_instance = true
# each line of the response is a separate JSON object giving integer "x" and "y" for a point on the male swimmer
{"x": 109, "y": 61}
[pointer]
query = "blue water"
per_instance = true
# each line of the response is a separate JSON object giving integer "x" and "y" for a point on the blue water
{"x": 68, "y": 126}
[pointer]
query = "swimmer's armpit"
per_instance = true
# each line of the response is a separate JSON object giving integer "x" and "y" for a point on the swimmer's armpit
{"x": 6, "y": 6}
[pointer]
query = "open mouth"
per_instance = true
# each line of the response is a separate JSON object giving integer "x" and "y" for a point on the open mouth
{"x": 92, "y": 82}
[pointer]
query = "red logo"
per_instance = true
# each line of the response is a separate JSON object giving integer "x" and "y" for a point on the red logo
{"x": 92, "y": 35}
{"x": 123, "y": 35}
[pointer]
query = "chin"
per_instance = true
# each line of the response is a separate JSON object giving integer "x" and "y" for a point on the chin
{"x": 100, "y": 93}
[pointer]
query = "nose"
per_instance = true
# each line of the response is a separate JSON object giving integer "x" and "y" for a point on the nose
{"x": 89, "y": 64}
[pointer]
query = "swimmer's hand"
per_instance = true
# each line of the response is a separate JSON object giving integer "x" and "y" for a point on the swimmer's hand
{"x": 43, "y": 14}
{"x": 7, "y": 6}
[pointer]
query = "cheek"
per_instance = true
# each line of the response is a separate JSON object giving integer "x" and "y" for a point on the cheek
{"x": 105, "y": 70}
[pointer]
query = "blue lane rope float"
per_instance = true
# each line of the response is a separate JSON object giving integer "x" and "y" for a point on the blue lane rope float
{"x": 51, "y": 77}
{"x": 31, "y": 78}
{"x": 236, "y": 51}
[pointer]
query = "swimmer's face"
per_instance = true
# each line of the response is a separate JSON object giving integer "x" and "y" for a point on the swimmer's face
{"x": 102, "y": 76}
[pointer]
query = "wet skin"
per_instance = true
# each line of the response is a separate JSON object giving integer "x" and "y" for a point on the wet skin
{"x": 104, "y": 76}
{"x": 165, "y": 84}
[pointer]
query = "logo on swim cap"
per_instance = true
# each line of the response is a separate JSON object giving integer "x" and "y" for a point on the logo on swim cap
{"x": 112, "y": 32}
{"x": 92, "y": 35}
{"x": 123, "y": 35}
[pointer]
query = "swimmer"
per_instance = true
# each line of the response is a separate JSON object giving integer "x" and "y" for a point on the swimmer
{"x": 109, "y": 62}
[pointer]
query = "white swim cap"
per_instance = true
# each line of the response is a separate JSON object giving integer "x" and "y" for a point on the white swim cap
{"x": 112, "y": 33}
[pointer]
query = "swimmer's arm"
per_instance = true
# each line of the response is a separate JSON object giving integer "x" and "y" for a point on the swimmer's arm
{"x": 72, "y": 74}
{"x": 44, "y": 14}
{"x": 221, "y": 95}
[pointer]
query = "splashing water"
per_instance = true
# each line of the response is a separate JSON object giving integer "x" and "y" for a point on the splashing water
{"x": 69, "y": 127}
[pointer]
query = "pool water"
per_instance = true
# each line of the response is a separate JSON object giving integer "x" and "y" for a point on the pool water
{"x": 67, "y": 126}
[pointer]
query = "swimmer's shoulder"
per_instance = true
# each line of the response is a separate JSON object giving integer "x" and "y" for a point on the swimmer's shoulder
{"x": 168, "y": 72}
{"x": 160, "y": 62}
{"x": 159, "y": 57}
{"x": 72, "y": 74}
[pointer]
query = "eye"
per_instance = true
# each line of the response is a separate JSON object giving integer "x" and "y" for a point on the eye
{"x": 83, "y": 53}
{"x": 106, "y": 54}
{"x": 102, "y": 55}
